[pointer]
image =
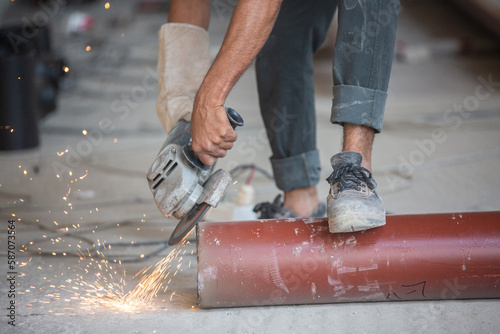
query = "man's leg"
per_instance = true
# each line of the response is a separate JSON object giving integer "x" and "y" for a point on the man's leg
{"x": 361, "y": 69}
{"x": 285, "y": 82}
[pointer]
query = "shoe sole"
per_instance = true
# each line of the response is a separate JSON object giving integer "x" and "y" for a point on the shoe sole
{"x": 353, "y": 223}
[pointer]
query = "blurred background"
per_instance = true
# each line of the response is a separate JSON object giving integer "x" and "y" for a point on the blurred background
{"x": 78, "y": 131}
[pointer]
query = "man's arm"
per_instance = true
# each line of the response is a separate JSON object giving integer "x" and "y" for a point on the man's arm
{"x": 249, "y": 29}
{"x": 196, "y": 12}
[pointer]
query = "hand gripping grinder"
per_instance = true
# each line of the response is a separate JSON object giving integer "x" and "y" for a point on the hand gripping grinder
{"x": 181, "y": 184}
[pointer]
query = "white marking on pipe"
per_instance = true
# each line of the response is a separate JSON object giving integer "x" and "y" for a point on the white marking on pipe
{"x": 333, "y": 281}
{"x": 297, "y": 251}
{"x": 372, "y": 286}
{"x": 275, "y": 272}
{"x": 344, "y": 270}
{"x": 372, "y": 267}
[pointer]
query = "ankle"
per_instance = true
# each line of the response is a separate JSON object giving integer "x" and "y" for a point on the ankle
{"x": 359, "y": 138}
{"x": 302, "y": 201}
{"x": 366, "y": 164}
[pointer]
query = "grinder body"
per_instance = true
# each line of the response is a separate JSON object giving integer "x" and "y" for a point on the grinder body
{"x": 181, "y": 185}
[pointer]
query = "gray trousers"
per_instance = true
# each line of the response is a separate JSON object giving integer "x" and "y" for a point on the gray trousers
{"x": 361, "y": 68}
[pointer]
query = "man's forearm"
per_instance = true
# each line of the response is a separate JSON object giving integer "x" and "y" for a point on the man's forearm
{"x": 249, "y": 29}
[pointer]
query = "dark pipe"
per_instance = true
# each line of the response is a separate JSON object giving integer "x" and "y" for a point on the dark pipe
{"x": 18, "y": 98}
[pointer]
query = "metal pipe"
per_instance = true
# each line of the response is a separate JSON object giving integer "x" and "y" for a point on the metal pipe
{"x": 297, "y": 261}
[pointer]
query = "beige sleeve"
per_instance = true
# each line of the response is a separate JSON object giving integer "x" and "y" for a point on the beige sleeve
{"x": 183, "y": 62}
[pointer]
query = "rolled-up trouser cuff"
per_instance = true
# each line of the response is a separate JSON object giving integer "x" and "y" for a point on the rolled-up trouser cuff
{"x": 298, "y": 171}
{"x": 358, "y": 105}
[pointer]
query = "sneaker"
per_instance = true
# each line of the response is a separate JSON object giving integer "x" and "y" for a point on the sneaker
{"x": 353, "y": 204}
{"x": 276, "y": 210}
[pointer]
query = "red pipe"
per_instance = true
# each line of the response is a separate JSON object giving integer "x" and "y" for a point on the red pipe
{"x": 297, "y": 261}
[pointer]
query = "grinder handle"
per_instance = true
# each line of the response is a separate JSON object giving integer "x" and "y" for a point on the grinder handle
{"x": 234, "y": 117}
{"x": 235, "y": 120}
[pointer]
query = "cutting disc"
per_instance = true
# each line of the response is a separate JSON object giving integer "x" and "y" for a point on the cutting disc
{"x": 188, "y": 222}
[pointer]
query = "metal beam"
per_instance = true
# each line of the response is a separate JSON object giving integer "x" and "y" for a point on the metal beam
{"x": 297, "y": 261}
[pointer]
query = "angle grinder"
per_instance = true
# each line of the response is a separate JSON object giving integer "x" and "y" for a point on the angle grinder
{"x": 181, "y": 184}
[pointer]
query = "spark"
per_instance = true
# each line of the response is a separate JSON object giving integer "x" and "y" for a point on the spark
{"x": 107, "y": 5}
{"x": 150, "y": 284}
{"x": 108, "y": 289}
{"x": 99, "y": 282}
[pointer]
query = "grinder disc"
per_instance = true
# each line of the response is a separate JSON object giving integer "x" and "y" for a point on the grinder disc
{"x": 188, "y": 222}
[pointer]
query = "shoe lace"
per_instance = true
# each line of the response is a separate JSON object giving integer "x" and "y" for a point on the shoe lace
{"x": 268, "y": 209}
{"x": 350, "y": 176}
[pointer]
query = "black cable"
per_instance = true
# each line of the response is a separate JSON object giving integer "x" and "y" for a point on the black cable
{"x": 147, "y": 256}
{"x": 251, "y": 166}
{"x": 93, "y": 248}
{"x": 77, "y": 235}
{"x": 102, "y": 204}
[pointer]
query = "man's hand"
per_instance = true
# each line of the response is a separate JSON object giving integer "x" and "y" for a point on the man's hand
{"x": 211, "y": 133}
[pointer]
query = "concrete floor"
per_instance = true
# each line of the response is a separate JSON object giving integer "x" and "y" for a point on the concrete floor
{"x": 111, "y": 202}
